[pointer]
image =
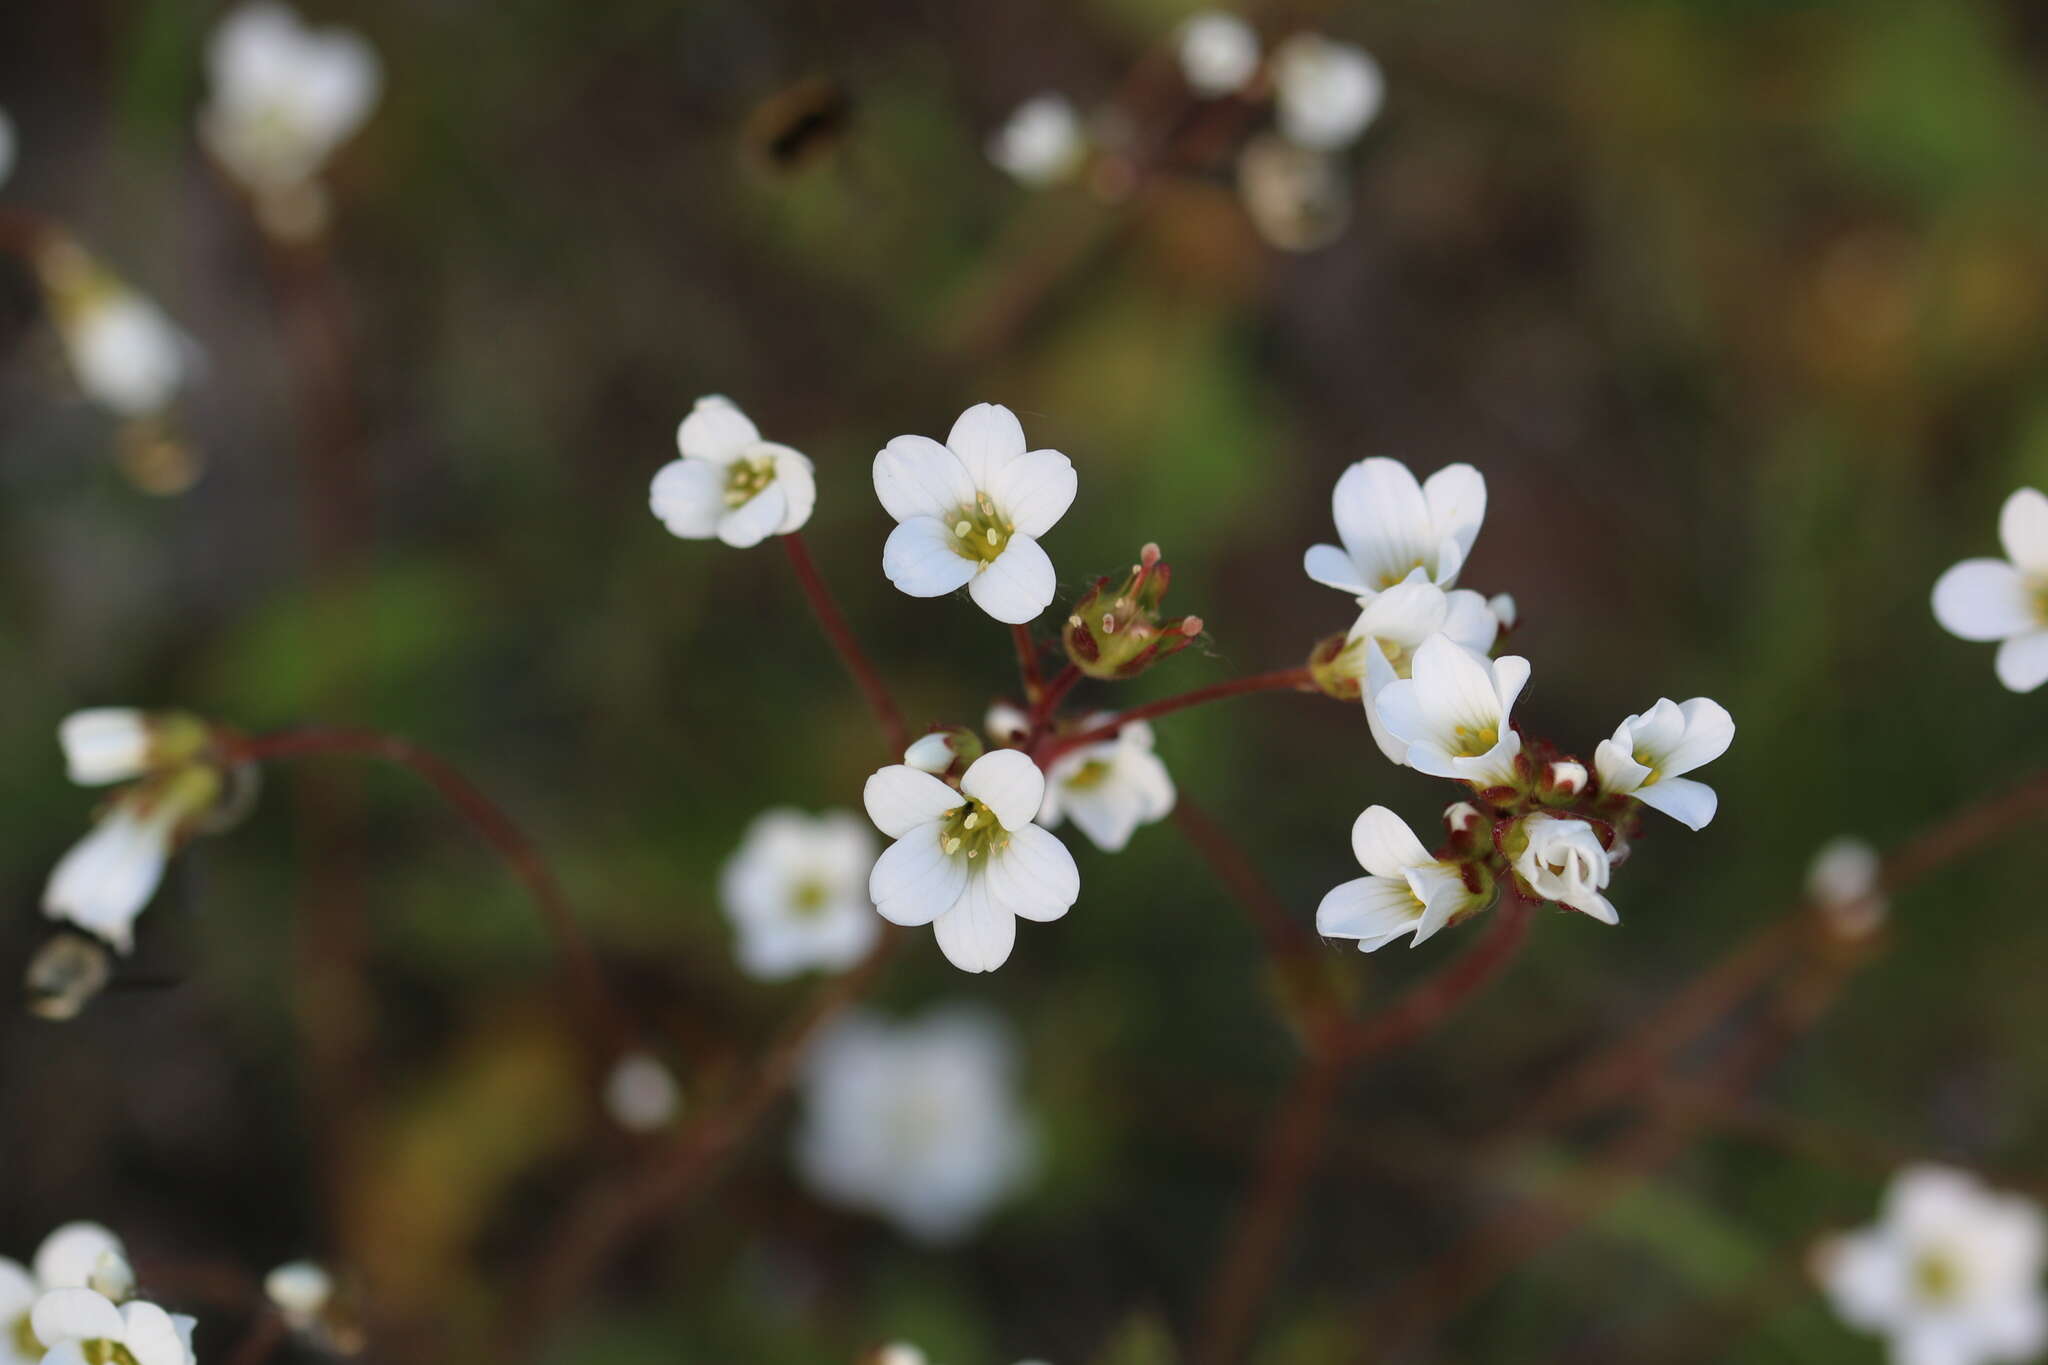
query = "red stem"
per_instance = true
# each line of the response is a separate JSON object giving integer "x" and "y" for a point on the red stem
{"x": 1049, "y": 700}
{"x": 1296, "y": 679}
{"x": 1429, "y": 1004}
{"x": 1027, "y": 665}
{"x": 842, "y": 638}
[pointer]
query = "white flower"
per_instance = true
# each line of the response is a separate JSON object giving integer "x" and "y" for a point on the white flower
{"x": 1452, "y": 713}
{"x": 915, "y": 1121}
{"x": 1566, "y": 863}
{"x": 108, "y": 877}
{"x": 1950, "y": 1273}
{"x": 1109, "y": 789}
{"x": 1649, "y": 752}
{"x": 1395, "y": 623}
{"x": 125, "y": 353}
{"x": 300, "y": 1291}
{"x": 729, "y": 482}
{"x": 284, "y": 96}
{"x": 641, "y": 1094}
{"x": 1392, "y": 526}
{"x": 2006, "y": 599}
{"x": 1298, "y": 198}
{"x": 969, "y": 862}
{"x": 1405, "y": 891}
{"x": 1326, "y": 91}
{"x": 1040, "y": 143}
{"x": 970, "y": 513}
{"x": 6, "y": 146}
{"x": 796, "y": 893}
{"x": 74, "y": 1256}
{"x": 1218, "y": 52}
{"x": 82, "y": 1327}
{"x": 1845, "y": 881}
{"x": 105, "y": 744}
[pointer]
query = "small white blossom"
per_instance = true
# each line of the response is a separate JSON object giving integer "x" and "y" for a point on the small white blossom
{"x": 83, "y": 1327}
{"x": 1504, "y": 611}
{"x": 1219, "y": 52}
{"x": 917, "y": 1121}
{"x": 1568, "y": 776}
{"x": 1327, "y": 92}
{"x": 1109, "y": 789}
{"x": 1395, "y": 623}
{"x": 74, "y": 1256}
{"x": 641, "y": 1094}
{"x": 1566, "y": 863}
{"x": 126, "y": 354}
{"x": 1404, "y": 891}
{"x": 6, "y": 146}
{"x": 1040, "y": 143}
{"x": 108, "y": 877}
{"x": 2006, "y": 599}
{"x": 796, "y": 893}
{"x": 1452, "y": 713}
{"x": 968, "y": 862}
{"x": 1391, "y": 526}
{"x": 730, "y": 483}
{"x": 300, "y": 1291}
{"x": 1950, "y": 1274}
{"x": 105, "y": 744}
{"x": 1298, "y": 198}
{"x": 971, "y": 512}
{"x": 901, "y": 1353}
{"x": 1845, "y": 881}
{"x": 1006, "y": 724}
{"x": 1649, "y": 753}
{"x": 932, "y": 753}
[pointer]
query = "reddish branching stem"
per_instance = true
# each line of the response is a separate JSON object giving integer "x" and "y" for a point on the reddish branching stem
{"x": 1027, "y": 666}
{"x": 841, "y": 635}
{"x": 1048, "y": 701}
{"x": 1285, "y": 679}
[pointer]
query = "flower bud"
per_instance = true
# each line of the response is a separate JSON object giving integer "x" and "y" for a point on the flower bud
{"x": 108, "y": 744}
{"x": 641, "y": 1094}
{"x": 1337, "y": 666}
{"x": 1503, "y": 608}
{"x": 1006, "y": 724}
{"x": 1562, "y": 780}
{"x": 300, "y": 1291}
{"x": 1844, "y": 883}
{"x": 65, "y": 974}
{"x": 1121, "y": 633}
{"x": 937, "y": 752}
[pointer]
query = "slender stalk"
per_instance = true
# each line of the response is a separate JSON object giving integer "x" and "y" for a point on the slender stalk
{"x": 1049, "y": 700}
{"x": 1285, "y": 679}
{"x": 1027, "y": 666}
{"x": 1424, "y": 1008}
{"x": 841, "y": 635}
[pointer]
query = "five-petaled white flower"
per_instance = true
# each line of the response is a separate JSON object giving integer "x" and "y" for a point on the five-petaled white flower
{"x": 1041, "y": 142}
{"x": 1950, "y": 1274}
{"x": 970, "y": 513}
{"x": 1391, "y": 526}
{"x": 2006, "y": 599}
{"x": 284, "y": 97}
{"x": 729, "y": 482}
{"x": 1404, "y": 891}
{"x": 1109, "y": 789}
{"x": 1452, "y": 713}
{"x": 1649, "y": 752}
{"x": 1394, "y": 625}
{"x": 1219, "y": 52}
{"x": 1565, "y": 862}
{"x": 74, "y": 1256}
{"x": 969, "y": 861}
{"x": 796, "y": 892}
{"x": 915, "y": 1121}
{"x": 85, "y": 1327}
{"x": 1327, "y": 92}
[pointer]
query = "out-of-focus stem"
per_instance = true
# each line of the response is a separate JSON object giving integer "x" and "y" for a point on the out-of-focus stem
{"x": 1285, "y": 679}
{"x": 842, "y": 638}
{"x": 1027, "y": 665}
{"x": 1049, "y": 700}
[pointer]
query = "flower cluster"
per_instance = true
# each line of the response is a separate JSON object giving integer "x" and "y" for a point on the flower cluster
{"x": 1419, "y": 659}
{"x": 75, "y": 1304}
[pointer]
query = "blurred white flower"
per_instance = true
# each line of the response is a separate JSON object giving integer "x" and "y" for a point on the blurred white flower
{"x": 970, "y": 513}
{"x": 730, "y": 483}
{"x": 1845, "y": 882}
{"x": 1395, "y": 623}
{"x": 300, "y": 1291}
{"x": 74, "y": 1256}
{"x": 900, "y": 1353}
{"x": 1950, "y": 1274}
{"x": 1565, "y": 862}
{"x": 641, "y": 1094}
{"x": 1503, "y": 608}
{"x": 284, "y": 97}
{"x": 1404, "y": 891}
{"x": 1452, "y": 713}
{"x": 1649, "y": 752}
{"x": 1327, "y": 92}
{"x": 83, "y": 1327}
{"x": 108, "y": 877}
{"x": 1108, "y": 789}
{"x": 6, "y": 146}
{"x": 1006, "y": 724}
{"x": 1219, "y": 52}
{"x": 1391, "y": 526}
{"x": 1040, "y": 143}
{"x": 968, "y": 862}
{"x": 105, "y": 744}
{"x": 916, "y": 1121}
{"x": 2006, "y": 599}
{"x": 126, "y": 355}
{"x": 796, "y": 893}
{"x": 1298, "y": 198}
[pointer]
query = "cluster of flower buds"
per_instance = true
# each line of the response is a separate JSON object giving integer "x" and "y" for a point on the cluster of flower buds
{"x": 1121, "y": 632}
{"x": 75, "y": 1303}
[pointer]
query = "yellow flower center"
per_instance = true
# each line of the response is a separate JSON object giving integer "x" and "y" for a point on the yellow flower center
{"x": 971, "y": 830}
{"x": 1648, "y": 760}
{"x": 100, "y": 1351}
{"x": 26, "y": 1344}
{"x": 809, "y": 897}
{"x": 1473, "y": 743}
{"x": 1395, "y": 576}
{"x": 1936, "y": 1277}
{"x": 1090, "y": 775}
{"x": 980, "y": 532}
{"x": 1402, "y": 657}
{"x": 745, "y": 479}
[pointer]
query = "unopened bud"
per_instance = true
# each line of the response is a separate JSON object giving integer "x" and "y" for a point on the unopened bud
{"x": 1503, "y": 608}
{"x": 65, "y": 974}
{"x": 641, "y": 1094}
{"x": 937, "y": 752}
{"x": 1566, "y": 777}
{"x": 112, "y": 1277}
{"x": 1844, "y": 883}
{"x": 1120, "y": 631}
{"x": 1006, "y": 724}
{"x": 898, "y": 1353}
{"x": 1337, "y": 666}
{"x": 1462, "y": 817}
{"x": 300, "y": 1291}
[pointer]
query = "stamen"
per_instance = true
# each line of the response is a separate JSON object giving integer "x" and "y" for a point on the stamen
{"x": 961, "y": 528}
{"x": 971, "y": 821}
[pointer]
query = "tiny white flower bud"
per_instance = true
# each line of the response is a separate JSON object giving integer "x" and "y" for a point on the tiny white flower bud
{"x": 300, "y": 1291}
{"x": 1219, "y": 52}
{"x": 1006, "y": 724}
{"x": 1503, "y": 608}
{"x": 933, "y": 753}
{"x": 1461, "y": 816}
{"x": 641, "y": 1094}
{"x": 105, "y": 744}
{"x": 1844, "y": 883}
{"x": 1568, "y": 775}
{"x": 112, "y": 1277}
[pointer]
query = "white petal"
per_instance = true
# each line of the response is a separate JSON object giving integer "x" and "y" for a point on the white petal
{"x": 1690, "y": 803}
{"x": 689, "y": 497}
{"x": 109, "y": 876}
{"x": 1331, "y": 567}
{"x": 715, "y": 430}
{"x": 75, "y": 1315}
{"x": 1456, "y": 495}
{"x": 1373, "y": 910}
{"x": 914, "y": 881}
{"x": 1377, "y": 678}
{"x": 1470, "y": 621}
{"x": 1620, "y": 774}
{"x": 151, "y": 1337}
{"x": 1456, "y": 690}
{"x": 1709, "y": 730}
{"x": 1383, "y": 843}
{"x": 17, "y": 1292}
{"x": 798, "y": 482}
{"x": 987, "y": 437}
{"x": 1018, "y": 585}
{"x": 1443, "y": 894}
{"x": 104, "y": 744}
{"x": 1034, "y": 491}
{"x": 1985, "y": 599}
{"x": 2023, "y": 661}
{"x": 71, "y": 1253}
{"x": 2023, "y": 531}
{"x": 920, "y": 560}
{"x": 754, "y": 520}
{"x": 1008, "y": 783}
{"x": 1383, "y": 520}
{"x": 915, "y": 476}
{"x": 899, "y": 798}
{"x": 977, "y": 934}
{"x": 1406, "y": 614}
{"x": 1035, "y": 876}
{"x": 68, "y": 1352}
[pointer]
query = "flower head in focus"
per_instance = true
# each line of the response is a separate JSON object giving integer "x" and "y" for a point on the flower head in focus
{"x": 968, "y": 860}
{"x": 1219, "y": 52}
{"x": 2006, "y": 599}
{"x": 1566, "y": 861}
{"x": 1041, "y": 142}
{"x": 1392, "y": 526}
{"x": 730, "y": 483}
{"x": 796, "y": 893}
{"x": 1406, "y": 890}
{"x": 1649, "y": 753}
{"x": 915, "y": 1121}
{"x": 1327, "y": 92}
{"x": 1394, "y": 625}
{"x": 1108, "y": 789}
{"x": 970, "y": 513}
{"x": 1451, "y": 714}
{"x": 1950, "y": 1274}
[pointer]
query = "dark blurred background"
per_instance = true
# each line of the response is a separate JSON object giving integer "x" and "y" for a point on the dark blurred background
{"x": 1739, "y": 306}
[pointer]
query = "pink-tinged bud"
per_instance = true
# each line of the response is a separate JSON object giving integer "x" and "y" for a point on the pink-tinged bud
{"x": 1120, "y": 632}
{"x": 1565, "y": 778}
